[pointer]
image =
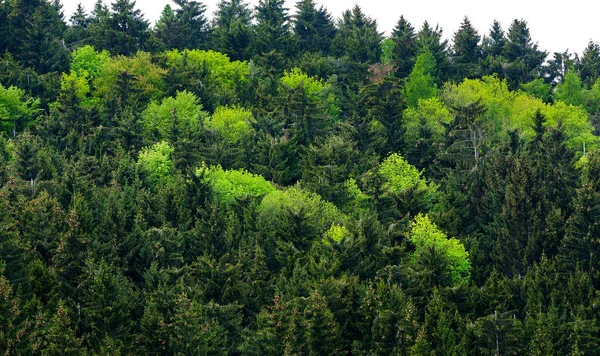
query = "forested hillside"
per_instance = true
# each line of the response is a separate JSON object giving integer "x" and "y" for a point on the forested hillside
{"x": 250, "y": 182}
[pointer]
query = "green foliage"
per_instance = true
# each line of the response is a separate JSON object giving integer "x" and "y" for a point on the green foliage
{"x": 87, "y": 60}
{"x": 183, "y": 112}
{"x": 538, "y": 88}
{"x": 310, "y": 228}
{"x": 420, "y": 84}
{"x": 387, "y": 49}
{"x": 232, "y": 34}
{"x": 16, "y": 110}
{"x": 337, "y": 233}
{"x": 232, "y": 123}
{"x": 315, "y": 89}
{"x": 506, "y": 110}
{"x": 298, "y": 216}
{"x": 427, "y": 120}
{"x": 570, "y": 91}
{"x": 235, "y": 184}
{"x": 314, "y": 27}
{"x": 401, "y": 178}
{"x": 147, "y": 83}
{"x": 155, "y": 162}
{"x": 357, "y": 37}
{"x": 222, "y": 78}
{"x": 425, "y": 234}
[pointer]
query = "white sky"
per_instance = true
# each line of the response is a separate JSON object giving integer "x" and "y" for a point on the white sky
{"x": 555, "y": 25}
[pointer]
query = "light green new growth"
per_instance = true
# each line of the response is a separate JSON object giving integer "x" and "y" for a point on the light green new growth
{"x": 401, "y": 177}
{"x": 14, "y": 107}
{"x": 316, "y": 89}
{"x": 156, "y": 163}
{"x": 425, "y": 233}
{"x": 233, "y": 123}
{"x": 299, "y": 202}
{"x": 233, "y": 184}
{"x": 184, "y": 108}
{"x": 87, "y": 60}
{"x": 420, "y": 84}
{"x": 430, "y": 115}
{"x": 336, "y": 234}
{"x": 224, "y": 73}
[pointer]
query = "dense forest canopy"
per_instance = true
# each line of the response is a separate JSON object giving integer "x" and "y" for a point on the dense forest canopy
{"x": 250, "y": 182}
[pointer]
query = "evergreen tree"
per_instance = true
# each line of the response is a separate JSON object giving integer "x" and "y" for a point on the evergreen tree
{"x": 431, "y": 38}
{"x": 77, "y": 32}
{"x": 589, "y": 67}
{"x": 166, "y": 33}
{"x": 273, "y": 29}
{"x": 192, "y": 25}
{"x": 232, "y": 32}
{"x": 35, "y": 35}
{"x": 493, "y": 51}
{"x": 405, "y": 51}
{"x": 583, "y": 228}
{"x": 523, "y": 56}
{"x": 358, "y": 37}
{"x": 313, "y": 27}
{"x": 123, "y": 30}
{"x": 467, "y": 51}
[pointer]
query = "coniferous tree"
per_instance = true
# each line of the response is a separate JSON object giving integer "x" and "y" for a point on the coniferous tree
{"x": 314, "y": 28}
{"x": 405, "y": 51}
{"x": 358, "y": 37}
{"x": 166, "y": 33}
{"x": 467, "y": 51}
{"x": 589, "y": 67}
{"x": 523, "y": 56}
{"x": 192, "y": 25}
{"x": 77, "y": 32}
{"x": 493, "y": 51}
{"x": 273, "y": 29}
{"x": 431, "y": 38}
{"x": 123, "y": 30}
{"x": 232, "y": 31}
{"x": 35, "y": 35}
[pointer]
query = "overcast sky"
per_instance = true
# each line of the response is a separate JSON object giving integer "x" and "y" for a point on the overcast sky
{"x": 555, "y": 25}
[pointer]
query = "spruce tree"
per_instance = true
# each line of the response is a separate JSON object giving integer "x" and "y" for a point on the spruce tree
{"x": 467, "y": 51}
{"x": 358, "y": 37}
{"x": 314, "y": 27}
{"x": 273, "y": 29}
{"x": 405, "y": 51}
{"x": 523, "y": 56}
{"x": 233, "y": 32}
{"x": 191, "y": 25}
{"x": 589, "y": 67}
{"x": 431, "y": 39}
{"x": 77, "y": 32}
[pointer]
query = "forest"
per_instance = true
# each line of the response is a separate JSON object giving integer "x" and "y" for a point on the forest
{"x": 274, "y": 181}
